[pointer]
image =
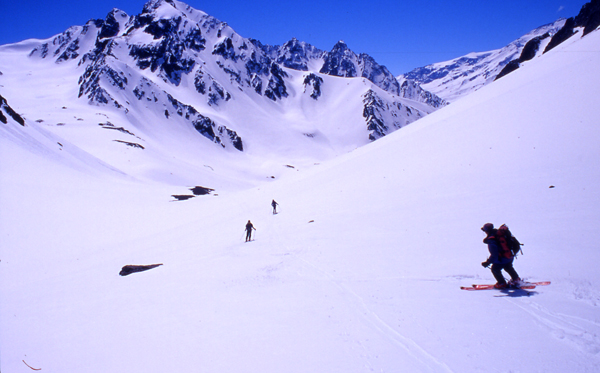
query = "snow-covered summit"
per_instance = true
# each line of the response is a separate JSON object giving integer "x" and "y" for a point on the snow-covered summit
{"x": 297, "y": 55}
{"x": 177, "y": 74}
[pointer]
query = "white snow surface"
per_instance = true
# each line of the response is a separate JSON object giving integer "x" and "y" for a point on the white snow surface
{"x": 359, "y": 272}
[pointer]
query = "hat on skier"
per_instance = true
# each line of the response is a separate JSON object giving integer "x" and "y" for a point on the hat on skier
{"x": 487, "y": 227}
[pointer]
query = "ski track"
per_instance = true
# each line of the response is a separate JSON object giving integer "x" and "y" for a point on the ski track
{"x": 559, "y": 327}
{"x": 564, "y": 315}
{"x": 584, "y": 291}
{"x": 431, "y": 362}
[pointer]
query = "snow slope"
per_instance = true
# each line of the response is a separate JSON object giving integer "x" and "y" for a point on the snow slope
{"x": 360, "y": 271}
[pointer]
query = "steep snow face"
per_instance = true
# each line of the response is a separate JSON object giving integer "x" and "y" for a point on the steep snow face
{"x": 359, "y": 272}
{"x": 175, "y": 73}
{"x": 459, "y": 77}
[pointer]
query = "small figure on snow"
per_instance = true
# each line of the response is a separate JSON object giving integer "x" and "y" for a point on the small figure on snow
{"x": 274, "y": 204}
{"x": 249, "y": 228}
{"x": 500, "y": 258}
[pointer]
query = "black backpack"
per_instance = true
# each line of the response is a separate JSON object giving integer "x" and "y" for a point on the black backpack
{"x": 508, "y": 243}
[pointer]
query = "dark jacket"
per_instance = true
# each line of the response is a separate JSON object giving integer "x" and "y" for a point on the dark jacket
{"x": 495, "y": 249}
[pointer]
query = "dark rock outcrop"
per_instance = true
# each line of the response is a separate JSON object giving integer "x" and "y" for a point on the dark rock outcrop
{"x": 531, "y": 48}
{"x": 129, "y": 269}
{"x": 10, "y": 112}
{"x": 529, "y": 52}
{"x": 563, "y": 34}
{"x": 508, "y": 68}
{"x": 206, "y": 126}
{"x": 313, "y": 83}
{"x": 200, "y": 190}
{"x": 373, "y": 106}
{"x": 589, "y": 17}
{"x": 412, "y": 90}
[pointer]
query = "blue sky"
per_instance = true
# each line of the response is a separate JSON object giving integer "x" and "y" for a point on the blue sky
{"x": 401, "y": 35}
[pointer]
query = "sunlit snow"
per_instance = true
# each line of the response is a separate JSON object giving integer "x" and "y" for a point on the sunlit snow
{"x": 360, "y": 271}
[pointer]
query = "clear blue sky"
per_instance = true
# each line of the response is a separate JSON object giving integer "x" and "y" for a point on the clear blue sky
{"x": 399, "y": 34}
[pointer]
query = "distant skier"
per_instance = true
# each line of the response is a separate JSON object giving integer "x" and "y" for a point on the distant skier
{"x": 274, "y": 204}
{"x": 249, "y": 228}
{"x": 499, "y": 258}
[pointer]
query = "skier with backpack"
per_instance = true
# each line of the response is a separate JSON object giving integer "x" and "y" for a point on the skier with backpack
{"x": 502, "y": 247}
{"x": 274, "y": 205}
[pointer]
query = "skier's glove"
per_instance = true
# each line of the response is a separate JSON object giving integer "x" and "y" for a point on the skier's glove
{"x": 485, "y": 264}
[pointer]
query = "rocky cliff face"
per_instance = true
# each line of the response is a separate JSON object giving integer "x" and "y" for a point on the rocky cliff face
{"x": 343, "y": 62}
{"x": 7, "y": 112}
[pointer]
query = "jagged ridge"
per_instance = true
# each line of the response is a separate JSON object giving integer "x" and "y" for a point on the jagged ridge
{"x": 169, "y": 43}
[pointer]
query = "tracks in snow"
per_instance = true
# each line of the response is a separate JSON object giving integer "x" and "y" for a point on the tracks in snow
{"x": 583, "y": 338}
{"x": 407, "y": 344}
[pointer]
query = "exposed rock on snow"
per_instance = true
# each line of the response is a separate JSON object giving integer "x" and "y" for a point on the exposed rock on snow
{"x": 129, "y": 269}
{"x": 412, "y": 90}
{"x": 563, "y": 34}
{"x": 528, "y": 53}
{"x": 383, "y": 117}
{"x": 11, "y": 113}
{"x": 589, "y": 17}
{"x": 313, "y": 84}
{"x": 132, "y": 144}
{"x": 200, "y": 190}
{"x": 182, "y": 197}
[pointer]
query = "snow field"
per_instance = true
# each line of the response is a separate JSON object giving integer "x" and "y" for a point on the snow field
{"x": 359, "y": 272}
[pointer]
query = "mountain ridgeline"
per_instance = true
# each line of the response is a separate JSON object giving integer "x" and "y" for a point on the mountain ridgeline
{"x": 178, "y": 62}
{"x": 588, "y": 19}
{"x": 459, "y": 77}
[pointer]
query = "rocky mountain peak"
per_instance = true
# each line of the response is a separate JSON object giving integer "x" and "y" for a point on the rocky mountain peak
{"x": 181, "y": 64}
{"x": 113, "y": 24}
{"x": 153, "y": 5}
{"x": 296, "y": 54}
{"x": 341, "y": 61}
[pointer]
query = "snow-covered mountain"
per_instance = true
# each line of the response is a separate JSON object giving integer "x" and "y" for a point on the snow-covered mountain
{"x": 461, "y": 76}
{"x": 586, "y": 21}
{"x": 174, "y": 69}
{"x": 361, "y": 269}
